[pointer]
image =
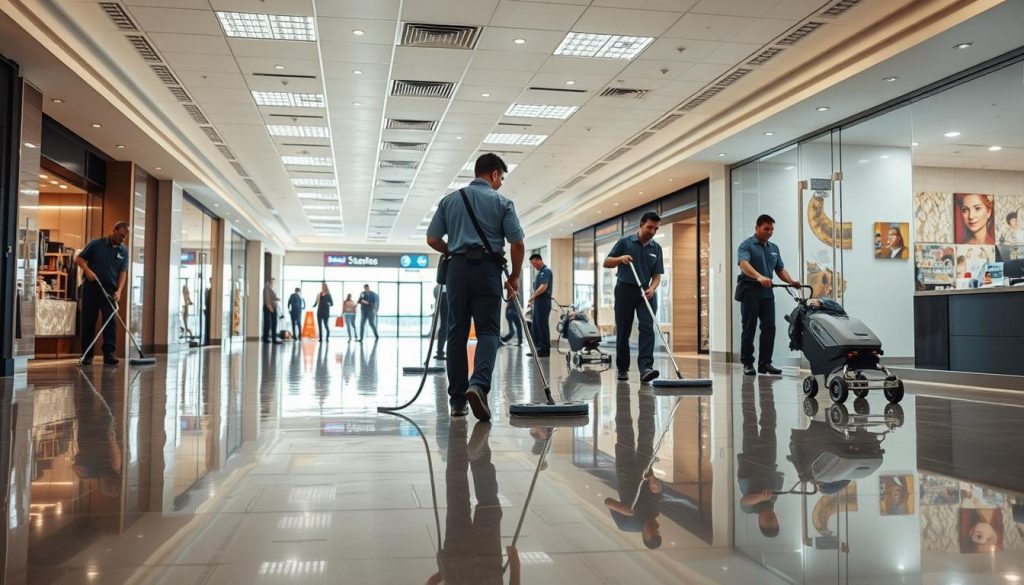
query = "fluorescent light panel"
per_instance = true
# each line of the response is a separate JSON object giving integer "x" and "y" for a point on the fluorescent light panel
{"x": 516, "y": 139}
{"x": 577, "y": 44}
{"x": 248, "y": 25}
{"x": 325, "y": 196}
{"x": 284, "y": 99}
{"x": 308, "y": 182}
{"x": 330, "y": 218}
{"x": 319, "y": 207}
{"x": 298, "y": 131}
{"x": 308, "y": 161}
{"x": 540, "y": 111}
{"x": 471, "y": 166}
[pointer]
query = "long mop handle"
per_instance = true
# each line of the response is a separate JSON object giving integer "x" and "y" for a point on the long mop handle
{"x": 115, "y": 307}
{"x": 97, "y": 338}
{"x": 643, "y": 295}
{"x": 529, "y": 494}
{"x": 529, "y": 339}
{"x": 657, "y": 448}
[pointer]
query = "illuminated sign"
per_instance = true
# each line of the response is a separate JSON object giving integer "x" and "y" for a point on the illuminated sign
{"x": 351, "y": 260}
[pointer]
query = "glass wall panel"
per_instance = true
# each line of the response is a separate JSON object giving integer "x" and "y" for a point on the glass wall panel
{"x": 583, "y": 274}
{"x": 238, "y": 292}
{"x": 605, "y": 237}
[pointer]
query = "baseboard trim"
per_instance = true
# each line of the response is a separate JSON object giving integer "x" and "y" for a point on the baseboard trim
{"x": 978, "y": 380}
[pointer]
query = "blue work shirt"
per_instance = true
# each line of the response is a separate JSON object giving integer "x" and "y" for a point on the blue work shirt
{"x": 765, "y": 258}
{"x": 107, "y": 261}
{"x": 371, "y": 298}
{"x": 544, "y": 276}
{"x": 495, "y": 213}
{"x": 647, "y": 259}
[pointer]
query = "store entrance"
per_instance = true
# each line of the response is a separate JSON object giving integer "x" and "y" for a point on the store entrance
{"x": 403, "y": 312}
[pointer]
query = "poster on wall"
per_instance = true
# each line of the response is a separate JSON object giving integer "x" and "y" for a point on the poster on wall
{"x": 824, "y": 227}
{"x": 897, "y": 495}
{"x": 933, "y": 217}
{"x": 939, "y": 491}
{"x": 891, "y": 240}
{"x": 972, "y": 259}
{"x": 822, "y": 278}
{"x": 1009, "y": 226}
{"x": 974, "y": 220}
{"x": 933, "y": 265}
{"x": 981, "y": 530}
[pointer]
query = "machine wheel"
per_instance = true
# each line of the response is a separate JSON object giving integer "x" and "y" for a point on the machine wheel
{"x": 568, "y": 357}
{"x": 577, "y": 359}
{"x": 810, "y": 407}
{"x": 607, "y": 358}
{"x": 894, "y": 395}
{"x": 838, "y": 415}
{"x": 838, "y": 390}
{"x": 810, "y": 387}
{"x": 861, "y": 406}
{"x": 894, "y": 415}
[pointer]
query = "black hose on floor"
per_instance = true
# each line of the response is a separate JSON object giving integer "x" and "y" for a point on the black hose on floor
{"x": 426, "y": 363}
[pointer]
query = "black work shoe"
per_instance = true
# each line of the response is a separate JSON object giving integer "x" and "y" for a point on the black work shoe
{"x": 440, "y": 357}
{"x": 539, "y": 354}
{"x": 110, "y": 360}
{"x": 748, "y": 370}
{"x": 477, "y": 399}
{"x": 622, "y": 375}
{"x": 769, "y": 369}
{"x": 87, "y": 361}
{"x": 647, "y": 376}
{"x": 458, "y": 411}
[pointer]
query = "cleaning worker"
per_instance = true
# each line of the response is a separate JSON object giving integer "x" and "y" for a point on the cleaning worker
{"x": 541, "y": 301}
{"x": 473, "y": 284}
{"x": 646, "y": 256}
{"x": 104, "y": 262}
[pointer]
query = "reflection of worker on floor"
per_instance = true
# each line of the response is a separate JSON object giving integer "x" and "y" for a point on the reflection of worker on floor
{"x": 98, "y": 460}
{"x": 757, "y": 470}
{"x": 472, "y": 540}
{"x": 639, "y": 502}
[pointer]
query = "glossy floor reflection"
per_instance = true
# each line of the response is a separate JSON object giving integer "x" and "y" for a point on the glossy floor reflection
{"x": 269, "y": 464}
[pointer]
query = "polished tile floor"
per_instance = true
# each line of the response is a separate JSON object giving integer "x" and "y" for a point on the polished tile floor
{"x": 261, "y": 464}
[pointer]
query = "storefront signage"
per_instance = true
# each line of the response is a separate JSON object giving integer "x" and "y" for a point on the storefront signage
{"x": 406, "y": 261}
{"x": 343, "y": 260}
{"x": 188, "y": 257}
{"x": 414, "y": 261}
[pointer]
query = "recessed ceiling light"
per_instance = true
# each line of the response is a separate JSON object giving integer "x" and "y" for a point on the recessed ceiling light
{"x": 55, "y": 182}
{"x": 120, "y": 147}
{"x": 485, "y": 94}
{"x": 599, "y": 211}
{"x": 309, "y": 182}
{"x": 963, "y": 46}
{"x": 356, "y": 104}
{"x": 298, "y": 131}
{"x": 308, "y": 161}
{"x": 519, "y": 41}
{"x": 995, "y": 148}
{"x": 44, "y": 176}
{"x": 358, "y": 32}
{"x": 279, "y": 67}
{"x": 97, "y": 125}
{"x": 158, "y": 169}
{"x": 822, "y": 108}
{"x": 570, "y": 82}
{"x": 863, "y": 161}
{"x": 915, "y": 144}
{"x": 769, "y": 134}
{"x": 616, "y": 204}
{"x": 577, "y": 44}
{"x": 57, "y": 101}
{"x": 951, "y": 134}
{"x": 884, "y": 156}
{"x": 216, "y": 204}
{"x": 248, "y": 25}
{"x": 356, "y": 72}
{"x": 518, "y": 139}
{"x": 63, "y": 186}
{"x": 458, "y": 138}
{"x": 640, "y": 192}
{"x": 284, "y": 99}
{"x": 670, "y": 179}
{"x": 721, "y": 154}
{"x": 890, "y": 79}
{"x": 30, "y": 145}
{"x": 539, "y": 111}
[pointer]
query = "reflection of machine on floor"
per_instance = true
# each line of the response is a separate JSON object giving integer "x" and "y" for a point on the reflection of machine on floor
{"x": 584, "y": 339}
{"x": 830, "y": 455}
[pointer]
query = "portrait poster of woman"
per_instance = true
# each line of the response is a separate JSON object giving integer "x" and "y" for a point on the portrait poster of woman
{"x": 981, "y": 530}
{"x": 974, "y": 218}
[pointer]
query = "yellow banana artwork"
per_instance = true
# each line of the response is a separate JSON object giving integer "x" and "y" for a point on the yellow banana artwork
{"x": 824, "y": 226}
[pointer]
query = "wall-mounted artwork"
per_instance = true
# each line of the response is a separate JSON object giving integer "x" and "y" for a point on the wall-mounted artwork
{"x": 972, "y": 259}
{"x": 974, "y": 219}
{"x": 934, "y": 265}
{"x": 1010, "y": 220}
{"x": 891, "y": 240}
{"x": 824, "y": 227}
{"x": 897, "y": 495}
{"x": 981, "y": 530}
{"x": 933, "y": 217}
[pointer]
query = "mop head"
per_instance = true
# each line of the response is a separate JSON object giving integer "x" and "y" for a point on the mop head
{"x": 543, "y": 409}
{"x": 691, "y": 383}
{"x": 142, "y": 361}
{"x": 420, "y": 369}
{"x": 682, "y": 390}
{"x": 529, "y": 422}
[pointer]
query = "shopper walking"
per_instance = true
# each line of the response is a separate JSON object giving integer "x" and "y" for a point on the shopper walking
{"x": 515, "y": 326}
{"x": 270, "y": 316}
{"x": 348, "y": 311}
{"x": 296, "y": 304}
{"x": 369, "y": 303}
{"x": 104, "y": 263}
{"x": 477, "y": 220}
{"x": 541, "y": 301}
{"x": 323, "y": 304}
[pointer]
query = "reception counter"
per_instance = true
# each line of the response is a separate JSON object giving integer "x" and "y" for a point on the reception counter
{"x": 970, "y": 330}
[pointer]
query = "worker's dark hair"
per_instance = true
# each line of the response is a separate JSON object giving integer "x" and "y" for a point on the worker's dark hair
{"x": 649, "y": 216}
{"x": 488, "y": 163}
{"x": 765, "y": 218}
{"x": 537, "y": 256}
{"x": 122, "y": 224}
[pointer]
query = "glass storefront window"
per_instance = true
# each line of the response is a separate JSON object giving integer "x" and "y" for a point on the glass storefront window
{"x": 605, "y": 237}
{"x": 238, "y": 284}
{"x": 195, "y": 276}
{"x": 583, "y": 267}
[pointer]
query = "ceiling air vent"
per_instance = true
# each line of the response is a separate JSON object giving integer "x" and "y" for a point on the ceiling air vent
{"x": 118, "y": 16}
{"x": 595, "y": 168}
{"x": 393, "y": 124}
{"x": 664, "y": 122}
{"x": 765, "y": 56}
{"x": 239, "y": 168}
{"x": 165, "y": 74}
{"x": 617, "y": 153}
{"x": 429, "y": 89}
{"x": 572, "y": 183}
{"x": 840, "y": 8}
{"x": 196, "y": 114}
{"x": 392, "y": 183}
{"x": 212, "y": 134}
{"x": 714, "y": 90}
{"x": 255, "y": 188}
{"x": 562, "y": 89}
{"x": 384, "y": 212}
{"x": 550, "y": 197}
{"x": 226, "y": 152}
{"x": 265, "y": 202}
{"x": 639, "y": 138}
{"x": 799, "y": 34}
{"x": 398, "y": 164}
{"x": 624, "y": 92}
{"x": 386, "y": 145}
{"x": 439, "y": 36}
{"x": 180, "y": 94}
{"x": 143, "y": 48}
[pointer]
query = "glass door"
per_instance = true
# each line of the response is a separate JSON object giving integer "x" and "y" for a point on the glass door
{"x": 410, "y": 309}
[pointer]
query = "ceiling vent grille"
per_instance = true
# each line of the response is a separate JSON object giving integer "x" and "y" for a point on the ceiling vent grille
{"x": 666, "y": 121}
{"x": 164, "y": 73}
{"x": 265, "y": 202}
{"x": 439, "y": 36}
{"x": 595, "y": 168}
{"x": 398, "y": 164}
{"x": 617, "y": 153}
{"x": 765, "y": 56}
{"x": 624, "y": 92}
{"x": 384, "y": 212}
{"x": 800, "y": 33}
{"x": 549, "y": 198}
{"x": 562, "y": 89}
{"x": 143, "y": 48}
{"x": 118, "y": 16}
{"x": 639, "y": 138}
{"x": 403, "y": 146}
{"x": 715, "y": 89}
{"x": 180, "y": 94}
{"x": 393, "y": 124}
{"x": 840, "y": 8}
{"x": 574, "y": 182}
{"x": 239, "y": 168}
{"x": 212, "y": 134}
{"x": 392, "y": 183}
{"x": 427, "y": 89}
{"x": 255, "y": 188}
{"x": 226, "y": 152}
{"x": 196, "y": 114}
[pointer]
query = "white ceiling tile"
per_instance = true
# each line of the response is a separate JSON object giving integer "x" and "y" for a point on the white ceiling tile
{"x": 429, "y": 60}
{"x": 508, "y": 61}
{"x": 213, "y": 95}
{"x": 360, "y": 9}
{"x": 576, "y": 66}
{"x": 537, "y": 15}
{"x": 752, "y": 8}
{"x": 191, "y": 4}
{"x": 502, "y": 39}
{"x": 625, "y": 22}
{"x": 690, "y": 50}
{"x": 211, "y": 63}
{"x": 708, "y": 27}
{"x": 355, "y": 53}
{"x": 368, "y": 72}
{"x": 352, "y": 89}
{"x": 764, "y": 30}
{"x": 514, "y": 79}
{"x": 270, "y": 49}
{"x": 795, "y": 9}
{"x": 175, "y": 20}
{"x": 376, "y": 32}
{"x": 289, "y": 7}
{"x": 704, "y": 72}
{"x": 197, "y": 44}
{"x": 471, "y": 12}
{"x": 210, "y": 79}
{"x": 667, "y": 5}
{"x": 732, "y": 53}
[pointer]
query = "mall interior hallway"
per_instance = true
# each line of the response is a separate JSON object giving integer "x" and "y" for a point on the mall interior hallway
{"x": 253, "y": 463}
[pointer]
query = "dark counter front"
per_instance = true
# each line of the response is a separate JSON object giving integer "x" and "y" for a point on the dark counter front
{"x": 974, "y": 330}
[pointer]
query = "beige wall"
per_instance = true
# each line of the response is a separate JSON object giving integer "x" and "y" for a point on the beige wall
{"x": 952, "y": 180}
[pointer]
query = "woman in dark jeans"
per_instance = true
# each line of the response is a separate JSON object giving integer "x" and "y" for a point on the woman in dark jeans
{"x": 323, "y": 305}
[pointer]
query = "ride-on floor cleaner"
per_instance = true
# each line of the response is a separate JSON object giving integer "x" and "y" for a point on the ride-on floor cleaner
{"x": 663, "y": 383}
{"x": 583, "y": 337}
{"x": 142, "y": 360}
